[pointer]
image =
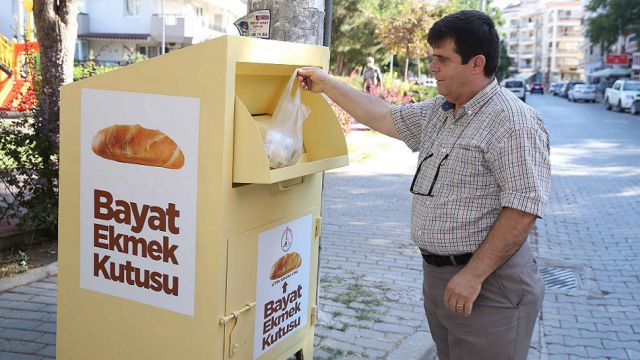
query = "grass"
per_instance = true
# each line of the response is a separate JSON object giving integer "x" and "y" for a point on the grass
{"x": 366, "y": 145}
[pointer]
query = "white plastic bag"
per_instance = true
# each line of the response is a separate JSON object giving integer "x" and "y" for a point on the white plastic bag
{"x": 283, "y": 141}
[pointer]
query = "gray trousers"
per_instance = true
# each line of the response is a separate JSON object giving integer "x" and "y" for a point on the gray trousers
{"x": 503, "y": 315}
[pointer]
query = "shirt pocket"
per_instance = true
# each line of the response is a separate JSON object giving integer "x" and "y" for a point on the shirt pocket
{"x": 466, "y": 172}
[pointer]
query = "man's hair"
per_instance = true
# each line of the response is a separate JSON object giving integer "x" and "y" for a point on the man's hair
{"x": 473, "y": 33}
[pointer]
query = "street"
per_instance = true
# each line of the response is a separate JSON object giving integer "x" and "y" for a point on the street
{"x": 370, "y": 275}
{"x": 591, "y": 229}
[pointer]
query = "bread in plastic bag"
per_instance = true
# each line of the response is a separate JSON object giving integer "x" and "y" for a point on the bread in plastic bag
{"x": 283, "y": 141}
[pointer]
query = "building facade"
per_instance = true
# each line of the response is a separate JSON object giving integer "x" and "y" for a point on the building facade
{"x": 544, "y": 40}
{"x": 116, "y": 30}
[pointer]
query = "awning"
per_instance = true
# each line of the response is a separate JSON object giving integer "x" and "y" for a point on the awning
{"x": 524, "y": 75}
{"x": 113, "y": 36}
{"x": 614, "y": 71}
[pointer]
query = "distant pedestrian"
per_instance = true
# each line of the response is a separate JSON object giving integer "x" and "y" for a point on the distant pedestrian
{"x": 482, "y": 180}
{"x": 371, "y": 78}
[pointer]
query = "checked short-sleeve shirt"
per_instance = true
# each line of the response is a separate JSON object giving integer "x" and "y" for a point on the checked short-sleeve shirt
{"x": 498, "y": 156}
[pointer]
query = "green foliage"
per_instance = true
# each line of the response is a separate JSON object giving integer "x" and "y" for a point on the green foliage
{"x": 612, "y": 18}
{"x": 503, "y": 66}
{"x": 28, "y": 175}
{"x": 494, "y": 12}
{"x": 351, "y": 35}
{"x": 29, "y": 163}
{"x": 90, "y": 68}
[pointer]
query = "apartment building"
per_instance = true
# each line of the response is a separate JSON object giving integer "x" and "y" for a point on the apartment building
{"x": 114, "y": 30}
{"x": 544, "y": 40}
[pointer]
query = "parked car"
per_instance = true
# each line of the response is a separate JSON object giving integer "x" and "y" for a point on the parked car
{"x": 583, "y": 92}
{"x": 517, "y": 87}
{"x": 622, "y": 95}
{"x": 537, "y": 88}
{"x": 554, "y": 88}
{"x": 564, "y": 91}
{"x": 430, "y": 82}
{"x": 635, "y": 107}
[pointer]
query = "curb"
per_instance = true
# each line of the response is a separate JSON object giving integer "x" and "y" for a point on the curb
{"x": 28, "y": 277}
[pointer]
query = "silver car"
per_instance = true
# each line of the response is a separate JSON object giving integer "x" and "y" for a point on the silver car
{"x": 517, "y": 87}
{"x": 582, "y": 92}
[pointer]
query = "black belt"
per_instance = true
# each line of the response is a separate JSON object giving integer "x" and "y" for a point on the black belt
{"x": 446, "y": 260}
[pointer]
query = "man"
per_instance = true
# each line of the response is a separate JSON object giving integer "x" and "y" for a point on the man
{"x": 371, "y": 78}
{"x": 482, "y": 180}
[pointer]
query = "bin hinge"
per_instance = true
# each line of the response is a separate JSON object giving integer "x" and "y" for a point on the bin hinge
{"x": 314, "y": 315}
{"x": 318, "y": 227}
{"x": 234, "y": 314}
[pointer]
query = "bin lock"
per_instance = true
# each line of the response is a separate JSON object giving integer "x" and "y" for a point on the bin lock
{"x": 235, "y": 345}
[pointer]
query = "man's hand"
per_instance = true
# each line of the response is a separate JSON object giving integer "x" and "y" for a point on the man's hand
{"x": 506, "y": 236}
{"x": 313, "y": 79}
{"x": 461, "y": 292}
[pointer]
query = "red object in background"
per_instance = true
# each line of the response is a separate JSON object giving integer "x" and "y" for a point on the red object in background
{"x": 619, "y": 59}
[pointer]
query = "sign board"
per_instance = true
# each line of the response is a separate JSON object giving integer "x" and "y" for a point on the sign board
{"x": 256, "y": 24}
{"x": 138, "y": 160}
{"x": 617, "y": 59}
{"x": 282, "y": 289}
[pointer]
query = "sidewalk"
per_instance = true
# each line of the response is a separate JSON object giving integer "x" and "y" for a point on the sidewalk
{"x": 371, "y": 275}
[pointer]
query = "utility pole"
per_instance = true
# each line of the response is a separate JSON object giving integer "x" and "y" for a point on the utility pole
{"x": 163, "y": 25}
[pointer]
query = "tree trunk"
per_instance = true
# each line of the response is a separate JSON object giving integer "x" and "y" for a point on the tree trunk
{"x": 300, "y": 21}
{"x": 406, "y": 68}
{"x": 57, "y": 29}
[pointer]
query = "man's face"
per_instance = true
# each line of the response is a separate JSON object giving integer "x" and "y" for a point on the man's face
{"x": 449, "y": 71}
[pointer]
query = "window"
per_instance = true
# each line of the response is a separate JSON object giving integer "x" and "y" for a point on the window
{"x": 199, "y": 11}
{"x": 132, "y": 7}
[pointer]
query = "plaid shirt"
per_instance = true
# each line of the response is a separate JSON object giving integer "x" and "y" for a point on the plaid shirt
{"x": 498, "y": 156}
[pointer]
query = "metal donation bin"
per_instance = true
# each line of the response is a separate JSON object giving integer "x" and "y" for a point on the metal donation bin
{"x": 176, "y": 239}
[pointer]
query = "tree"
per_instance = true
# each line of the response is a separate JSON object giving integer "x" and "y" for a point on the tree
{"x": 503, "y": 66}
{"x": 57, "y": 29}
{"x": 300, "y": 21}
{"x": 351, "y": 30}
{"x": 494, "y": 12}
{"x": 405, "y": 33}
{"x": 29, "y": 147}
{"x": 612, "y": 19}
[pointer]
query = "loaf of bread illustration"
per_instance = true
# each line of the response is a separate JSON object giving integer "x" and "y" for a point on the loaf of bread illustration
{"x": 137, "y": 145}
{"x": 286, "y": 264}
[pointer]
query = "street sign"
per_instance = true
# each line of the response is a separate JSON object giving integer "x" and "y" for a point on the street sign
{"x": 617, "y": 59}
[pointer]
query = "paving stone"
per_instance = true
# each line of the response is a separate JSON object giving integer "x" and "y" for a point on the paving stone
{"x": 47, "y": 327}
{"x": 15, "y": 356}
{"x": 49, "y": 339}
{"x": 49, "y": 350}
{"x": 19, "y": 324}
{"x": 18, "y": 346}
{"x": 17, "y": 334}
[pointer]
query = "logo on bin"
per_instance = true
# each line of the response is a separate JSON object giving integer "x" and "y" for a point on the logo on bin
{"x": 286, "y": 240}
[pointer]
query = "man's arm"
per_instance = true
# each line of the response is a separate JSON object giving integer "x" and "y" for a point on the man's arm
{"x": 366, "y": 109}
{"x": 506, "y": 236}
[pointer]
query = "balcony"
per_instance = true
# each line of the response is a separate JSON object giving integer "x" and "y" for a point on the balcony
{"x": 178, "y": 28}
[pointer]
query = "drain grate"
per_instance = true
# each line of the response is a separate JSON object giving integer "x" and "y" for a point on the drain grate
{"x": 559, "y": 278}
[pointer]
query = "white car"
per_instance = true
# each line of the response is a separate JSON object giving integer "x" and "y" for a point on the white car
{"x": 516, "y": 86}
{"x": 583, "y": 92}
{"x": 430, "y": 82}
{"x": 622, "y": 95}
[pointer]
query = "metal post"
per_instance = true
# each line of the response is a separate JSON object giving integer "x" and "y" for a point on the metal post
{"x": 328, "y": 19}
{"x": 163, "y": 24}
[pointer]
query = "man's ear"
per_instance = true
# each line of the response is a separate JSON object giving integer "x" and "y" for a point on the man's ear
{"x": 479, "y": 61}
